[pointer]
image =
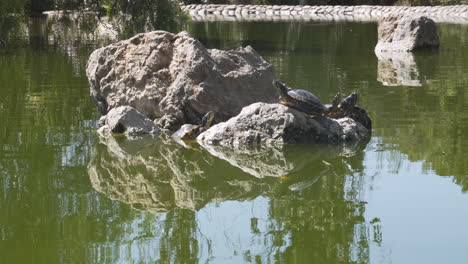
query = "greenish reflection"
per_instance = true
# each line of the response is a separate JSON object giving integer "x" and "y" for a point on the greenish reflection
{"x": 158, "y": 176}
{"x": 313, "y": 192}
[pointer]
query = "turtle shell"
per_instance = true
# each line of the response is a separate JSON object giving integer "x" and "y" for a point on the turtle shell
{"x": 184, "y": 130}
{"x": 301, "y": 100}
{"x": 305, "y": 97}
{"x": 305, "y": 101}
{"x": 360, "y": 115}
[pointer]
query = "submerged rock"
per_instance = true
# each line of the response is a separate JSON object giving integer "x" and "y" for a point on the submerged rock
{"x": 276, "y": 124}
{"x": 175, "y": 79}
{"x": 126, "y": 120}
{"x": 406, "y": 33}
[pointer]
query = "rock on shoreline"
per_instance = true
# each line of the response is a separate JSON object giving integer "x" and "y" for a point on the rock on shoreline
{"x": 405, "y": 33}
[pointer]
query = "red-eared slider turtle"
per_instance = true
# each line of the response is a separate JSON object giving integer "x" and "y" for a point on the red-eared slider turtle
{"x": 301, "y": 100}
{"x": 341, "y": 109}
{"x": 307, "y": 102}
{"x": 191, "y": 132}
{"x": 360, "y": 115}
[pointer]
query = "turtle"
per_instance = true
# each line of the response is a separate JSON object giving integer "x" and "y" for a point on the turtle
{"x": 191, "y": 132}
{"x": 348, "y": 108}
{"x": 298, "y": 99}
{"x": 360, "y": 115}
{"x": 307, "y": 102}
{"x": 343, "y": 108}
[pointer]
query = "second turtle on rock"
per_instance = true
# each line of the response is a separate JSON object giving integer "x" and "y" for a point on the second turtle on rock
{"x": 191, "y": 132}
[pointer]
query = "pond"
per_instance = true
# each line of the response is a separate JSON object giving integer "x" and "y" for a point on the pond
{"x": 69, "y": 196}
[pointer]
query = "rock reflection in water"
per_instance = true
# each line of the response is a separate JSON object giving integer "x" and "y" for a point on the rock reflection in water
{"x": 313, "y": 210}
{"x": 283, "y": 161}
{"x": 398, "y": 68}
{"x": 159, "y": 175}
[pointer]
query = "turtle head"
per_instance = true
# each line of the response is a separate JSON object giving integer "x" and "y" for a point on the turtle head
{"x": 208, "y": 119}
{"x": 281, "y": 88}
{"x": 353, "y": 98}
{"x": 349, "y": 101}
{"x": 336, "y": 99}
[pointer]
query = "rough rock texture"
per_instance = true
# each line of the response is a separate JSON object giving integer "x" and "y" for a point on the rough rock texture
{"x": 406, "y": 33}
{"x": 276, "y": 124}
{"x": 126, "y": 120}
{"x": 175, "y": 79}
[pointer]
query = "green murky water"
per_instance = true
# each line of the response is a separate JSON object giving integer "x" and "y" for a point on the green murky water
{"x": 68, "y": 196}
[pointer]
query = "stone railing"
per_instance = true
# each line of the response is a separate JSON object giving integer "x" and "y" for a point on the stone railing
{"x": 442, "y": 14}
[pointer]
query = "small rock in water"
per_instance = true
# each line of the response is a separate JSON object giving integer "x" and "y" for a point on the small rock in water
{"x": 127, "y": 120}
{"x": 406, "y": 33}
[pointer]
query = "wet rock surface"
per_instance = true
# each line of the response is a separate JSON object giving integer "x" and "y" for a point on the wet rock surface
{"x": 405, "y": 33}
{"x": 128, "y": 121}
{"x": 276, "y": 124}
{"x": 176, "y": 80}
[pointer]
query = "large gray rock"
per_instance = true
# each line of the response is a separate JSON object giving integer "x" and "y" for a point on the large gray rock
{"x": 126, "y": 120}
{"x": 276, "y": 124}
{"x": 175, "y": 79}
{"x": 406, "y": 33}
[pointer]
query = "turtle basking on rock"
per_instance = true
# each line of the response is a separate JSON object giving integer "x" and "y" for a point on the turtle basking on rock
{"x": 191, "y": 132}
{"x": 301, "y": 100}
{"x": 307, "y": 102}
{"x": 348, "y": 108}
